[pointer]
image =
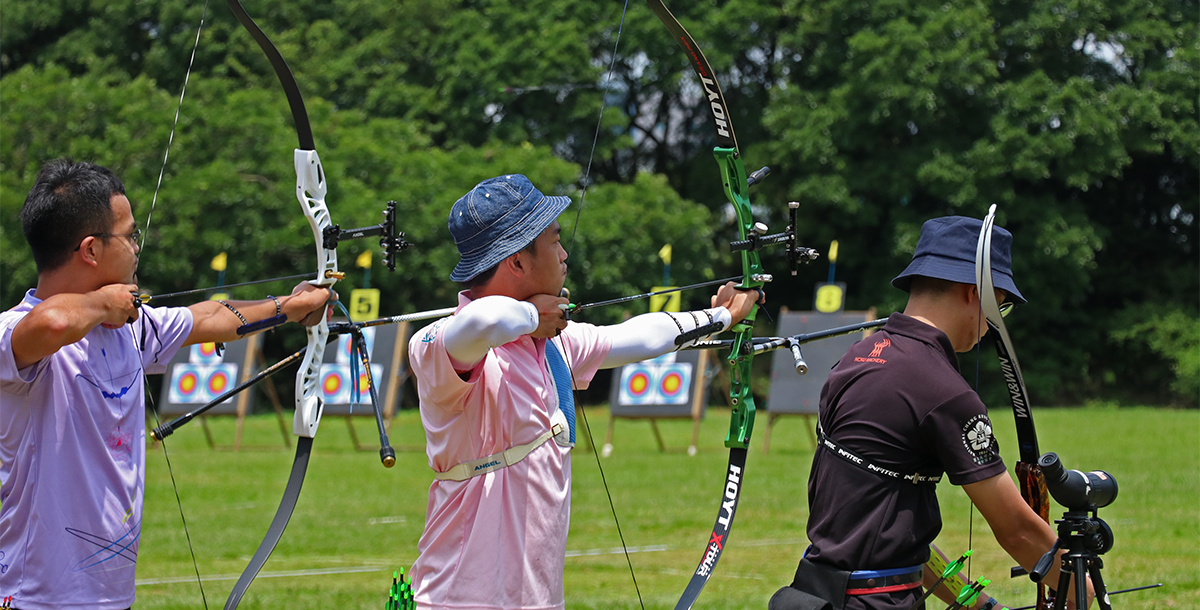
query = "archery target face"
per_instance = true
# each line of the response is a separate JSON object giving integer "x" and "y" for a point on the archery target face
{"x": 637, "y": 381}
{"x": 655, "y": 383}
{"x": 218, "y": 382}
{"x": 204, "y": 353}
{"x": 346, "y": 344}
{"x": 674, "y": 382}
{"x": 337, "y": 387}
{"x": 200, "y": 383}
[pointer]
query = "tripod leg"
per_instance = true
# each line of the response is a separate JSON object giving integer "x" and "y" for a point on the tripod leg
{"x": 1064, "y": 583}
{"x": 1098, "y": 583}
{"x": 1081, "y": 570}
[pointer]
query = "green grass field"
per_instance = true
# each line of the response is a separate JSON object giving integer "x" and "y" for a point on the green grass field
{"x": 356, "y": 521}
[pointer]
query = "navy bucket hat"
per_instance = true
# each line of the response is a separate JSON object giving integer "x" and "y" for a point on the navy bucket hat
{"x": 946, "y": 251}
{"x": 496, "y": 219}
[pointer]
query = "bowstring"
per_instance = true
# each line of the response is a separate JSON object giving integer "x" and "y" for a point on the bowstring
{"x": 587, "y": 172}
{"x": 171, "y": 138}
{"x": 970, "y": 504}
{"x": 586, "y": 180}
{"x": 153, "y": 201}
{"x": 175, "y": 487}
{"x": 603, "y": 480}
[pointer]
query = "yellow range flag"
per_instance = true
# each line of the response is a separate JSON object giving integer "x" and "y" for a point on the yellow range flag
{"x": 364, "y": 304}
{"x": 664, "y": 302}
{"x": 364, "y": 260}
{"x": 219, "y": 261}
{"x": 665, "y": 254}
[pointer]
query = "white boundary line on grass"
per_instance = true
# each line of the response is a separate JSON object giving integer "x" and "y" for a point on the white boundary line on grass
{"x": 662, "y": 547}
{"x": 281, "y": 574}
{"x": 654, "y": 548}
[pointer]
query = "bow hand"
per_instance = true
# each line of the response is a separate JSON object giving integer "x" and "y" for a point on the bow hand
{"x": 309, "y": 304}
{"x": 739, "y": 302}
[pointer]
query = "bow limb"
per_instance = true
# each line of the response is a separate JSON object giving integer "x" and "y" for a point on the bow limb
{"x": 741, "y": 357}
{"x": 310, "y": 191}
{"x": 1029, "y": 474}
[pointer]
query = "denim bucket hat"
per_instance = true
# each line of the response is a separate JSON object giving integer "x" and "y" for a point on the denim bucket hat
{"x": 946, "y": 251}
{"x": 496, "y": 219}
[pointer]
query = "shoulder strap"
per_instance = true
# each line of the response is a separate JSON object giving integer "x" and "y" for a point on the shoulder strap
{"x": 841, "y": 451}
{"x": 563, "y": 383}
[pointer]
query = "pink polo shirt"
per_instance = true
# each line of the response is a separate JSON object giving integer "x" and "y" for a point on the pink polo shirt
{"x": 497, "y": 540}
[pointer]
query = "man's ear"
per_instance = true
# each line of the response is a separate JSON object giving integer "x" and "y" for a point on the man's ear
{"x": 89, "y": 250}
{"x": 969, "y": 293}
{"x": 514, "y": 264}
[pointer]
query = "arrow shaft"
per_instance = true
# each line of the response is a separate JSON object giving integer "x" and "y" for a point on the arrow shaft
{"x": 654, "y": 294}
{"x": 156, "y": 297}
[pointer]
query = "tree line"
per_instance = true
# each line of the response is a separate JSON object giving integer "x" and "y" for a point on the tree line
{"x": 1079, "y": 119}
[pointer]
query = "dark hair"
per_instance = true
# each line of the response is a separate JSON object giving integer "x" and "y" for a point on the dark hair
{"x": 486, "y": 275}
{"x": 68, "y": 202}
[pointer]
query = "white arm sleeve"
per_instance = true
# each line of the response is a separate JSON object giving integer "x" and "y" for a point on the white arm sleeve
{"x": 653, "y": 334}
{"x": 486, "y": 323}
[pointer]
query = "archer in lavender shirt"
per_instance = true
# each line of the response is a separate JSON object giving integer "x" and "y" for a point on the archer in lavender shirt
{"x": 73, "y": 359}
{"x": 73, "y": 453}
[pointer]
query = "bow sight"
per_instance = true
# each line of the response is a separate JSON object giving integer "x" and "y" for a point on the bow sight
{"x": 391, "y": 242}
{"x": 757, "y": 240}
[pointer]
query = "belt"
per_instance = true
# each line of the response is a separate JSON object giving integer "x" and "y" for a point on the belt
{"x": 863, "y": 582}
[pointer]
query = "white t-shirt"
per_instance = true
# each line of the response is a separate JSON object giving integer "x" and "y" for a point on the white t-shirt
{"x": 72, "y": 461}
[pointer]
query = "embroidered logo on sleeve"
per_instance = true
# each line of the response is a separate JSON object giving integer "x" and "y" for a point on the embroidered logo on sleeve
{"x": 977, "y": 438}
{"x": 432, "y": 331}
{"x": 875, "y": 353}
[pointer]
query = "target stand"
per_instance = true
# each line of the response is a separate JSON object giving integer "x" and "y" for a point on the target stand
{"x": 795, "y": 394}
{"x": 672, "y": 386}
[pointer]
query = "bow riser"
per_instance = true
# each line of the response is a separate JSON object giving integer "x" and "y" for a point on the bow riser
{"x": 741, "y": 357}
{"x": 310, "y": 191}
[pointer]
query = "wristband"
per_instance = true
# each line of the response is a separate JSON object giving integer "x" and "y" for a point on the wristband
{"x": 235, "y": 312}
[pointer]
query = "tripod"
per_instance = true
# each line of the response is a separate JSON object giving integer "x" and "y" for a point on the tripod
{"x": 1085, "y": 538}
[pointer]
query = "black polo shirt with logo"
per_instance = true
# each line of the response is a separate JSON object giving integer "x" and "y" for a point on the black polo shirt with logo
{"x": 897, "y": 399}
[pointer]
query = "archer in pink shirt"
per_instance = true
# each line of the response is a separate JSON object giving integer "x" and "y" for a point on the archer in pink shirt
{"x": 495, "y": 383}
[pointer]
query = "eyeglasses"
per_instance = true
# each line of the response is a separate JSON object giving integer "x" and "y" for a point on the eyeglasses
{"x": 134, "y": 237}
{"x": 1006, "y": 308}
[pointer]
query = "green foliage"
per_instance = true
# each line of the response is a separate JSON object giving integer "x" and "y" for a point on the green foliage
{"x": 1068, "y": 118}
{"x": 1079, "y": 120}
{"x": 1172, "y": 336}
